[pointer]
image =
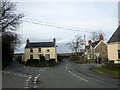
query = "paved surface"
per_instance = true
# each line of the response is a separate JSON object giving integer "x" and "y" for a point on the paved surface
{"x": 65, "y": 75}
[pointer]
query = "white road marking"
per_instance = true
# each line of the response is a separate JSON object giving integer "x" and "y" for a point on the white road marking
{"x": 67, "y": 66}
{"x": 78, "y": 76}
{"x": 27, "y": 82}
{"x": 21, "y": 75}
{"x": 27, "y": 76}
{"x": 16, "y": 74}
{"x": 36, "y": 77}
{"x": 38, "y": 69}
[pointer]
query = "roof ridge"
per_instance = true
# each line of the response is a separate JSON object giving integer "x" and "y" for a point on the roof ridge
{"x": 97, "y": 41}
{"x": 115, "y": 36}
{"x": 41, "y": 42}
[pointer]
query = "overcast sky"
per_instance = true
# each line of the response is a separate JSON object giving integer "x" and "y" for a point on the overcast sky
{"x": 83, "y": 16}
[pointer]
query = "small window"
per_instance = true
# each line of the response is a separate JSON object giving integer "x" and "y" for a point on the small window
{"x": 39, "y": 49}
{"x": 118, "y": 54}
{"x": 31, "y": 50}
{"x": 47, "y": 56}
{"x": 31, "y": 56}
{"x": 48, "y": 50}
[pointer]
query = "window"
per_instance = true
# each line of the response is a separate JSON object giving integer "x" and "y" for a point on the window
{"x": 39, "y": 49}
{"x": 48, "y": 50}
{"x": 47, "y": 56}
{"x": 31, "y": 56}
{"x": 31, "y": 50}
{"x": 118, "y": 54}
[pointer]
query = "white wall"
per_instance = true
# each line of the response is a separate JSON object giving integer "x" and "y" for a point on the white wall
{"x": 52, "y": 53}
{"x": 113, "y": 51}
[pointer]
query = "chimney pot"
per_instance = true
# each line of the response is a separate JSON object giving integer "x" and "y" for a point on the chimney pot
{"x": 54, "y": 40}
{"x": 90, "y": 42}
{"x": 101, "y": 37}
{"x": 27, "y": 41}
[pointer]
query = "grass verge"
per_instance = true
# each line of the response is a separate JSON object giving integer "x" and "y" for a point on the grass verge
{"x": 107, "y": 71}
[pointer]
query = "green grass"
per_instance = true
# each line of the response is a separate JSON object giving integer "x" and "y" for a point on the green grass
{"x": 106, "y": 70}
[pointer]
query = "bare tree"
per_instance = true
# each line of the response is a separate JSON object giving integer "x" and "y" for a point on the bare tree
{"x": 96, "y": 34}
{"x": 9, "y": 19}
{"x": 9, "y": 23}
{"x": 76, "y": 44}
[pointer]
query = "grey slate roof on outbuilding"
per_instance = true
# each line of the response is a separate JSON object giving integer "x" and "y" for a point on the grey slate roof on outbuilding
{"x": 40, "y": 44}
{"x": 93, "y": 44}
{"x": 116, "y": 36}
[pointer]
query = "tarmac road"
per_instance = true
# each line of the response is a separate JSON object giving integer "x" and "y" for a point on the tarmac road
{"x": 65, "y": 75}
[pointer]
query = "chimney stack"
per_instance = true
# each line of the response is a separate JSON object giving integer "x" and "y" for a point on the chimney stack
{"x": 27, "y": 41}
{"x": 101, "y": 37}
{"x": 89, "y": 42}
{"x": 54, "y": 40}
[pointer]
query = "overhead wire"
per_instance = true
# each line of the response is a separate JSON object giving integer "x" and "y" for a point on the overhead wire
{"x": 59, "y": 26}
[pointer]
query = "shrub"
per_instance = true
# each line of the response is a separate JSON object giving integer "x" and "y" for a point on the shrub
{"x": 59, "y": 58}
{"x": 111, "y": 65}
{"x": 37, "y": 63}
{"x": 83, "y": 61}
{"x": 33, "y": 61}
{"x": 74, "y": 58}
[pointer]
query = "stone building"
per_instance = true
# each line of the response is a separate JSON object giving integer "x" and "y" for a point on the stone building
{"x": 96, "y": 49}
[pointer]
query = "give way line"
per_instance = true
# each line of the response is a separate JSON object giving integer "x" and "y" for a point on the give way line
{"x": 36, "y": 78}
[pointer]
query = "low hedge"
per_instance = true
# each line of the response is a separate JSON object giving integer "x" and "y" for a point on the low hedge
{"x": 111, "y": 65}
{"x": 37, "y": 63}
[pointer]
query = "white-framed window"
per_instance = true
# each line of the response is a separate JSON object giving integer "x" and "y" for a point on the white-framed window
{"x": 31, "y": 56}
{"x": 48, "y": 50}
{"x": 31, "y": 50}
{"x": 118, "y": 54}
{"x": 39, "y": 49}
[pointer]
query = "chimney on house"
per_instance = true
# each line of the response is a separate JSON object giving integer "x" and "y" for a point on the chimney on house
{"x": 101, "y": 37}
{"x": 27, "y": 41}
{"x": 89, "y": 42}
{"x": 54, "y": 40}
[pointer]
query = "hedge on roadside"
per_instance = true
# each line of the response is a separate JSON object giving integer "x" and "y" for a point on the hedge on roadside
{"x": 111, "y": 65}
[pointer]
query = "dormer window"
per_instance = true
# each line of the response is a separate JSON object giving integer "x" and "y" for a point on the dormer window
{"x": 31, "y": 50}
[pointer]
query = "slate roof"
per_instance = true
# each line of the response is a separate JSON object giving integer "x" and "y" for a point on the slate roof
{"x": 93, "y": 44}
{"x": 40, "y": 44}
{"x": 116, "y": 36}
{"x": 18, "y": 53}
